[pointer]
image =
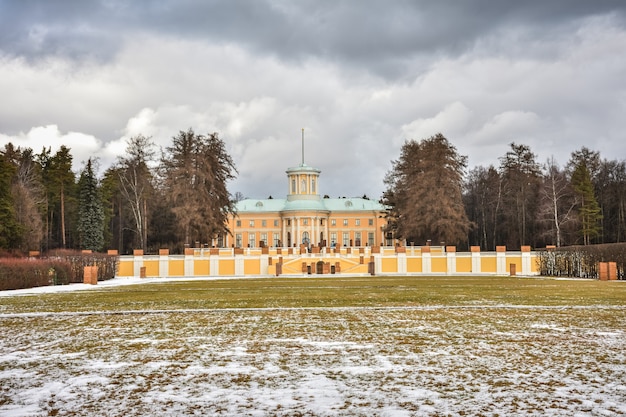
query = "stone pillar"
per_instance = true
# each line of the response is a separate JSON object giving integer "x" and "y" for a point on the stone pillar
{"x": 164, "y": 262}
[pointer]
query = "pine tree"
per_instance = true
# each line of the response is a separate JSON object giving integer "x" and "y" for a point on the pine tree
{"x": 90, "y": 211}
{"x": 588, "y": 209}
{"x": 9, "y": 228}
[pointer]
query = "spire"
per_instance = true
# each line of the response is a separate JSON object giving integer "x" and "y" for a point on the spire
{"x": 302, "y": 146}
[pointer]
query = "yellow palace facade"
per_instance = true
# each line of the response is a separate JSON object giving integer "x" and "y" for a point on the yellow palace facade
{"x": 305, "y": 219}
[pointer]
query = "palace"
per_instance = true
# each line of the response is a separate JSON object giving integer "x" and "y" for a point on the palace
{"x": 305, "y": 219}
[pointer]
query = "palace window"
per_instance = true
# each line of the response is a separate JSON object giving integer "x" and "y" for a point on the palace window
{"x": 264, "y": 238}
{"x": 333, "y": 222}
{"x": 252, "y": 240}
{"x": 293, "y": 185}
{"x": 370, "y": 222}
{"x": 238, "y": 223}
{"x": 345, "y": 222}
{"x": 305, "y": 222}
{"x": 346, "y": 239}
{"x": 238, "y": 242}
{"x": 251, "y": 223}
{"x": 276, "y": 239}
{"x": 333, "y": 239}
{"x": 357, "y": 238}
{"x": 370, "y": 238}
{"x": 263, "y": 223}
{"x": 313, "y": 185}
{"x": 357, "y": 222}
{"x": 275, "y": 223}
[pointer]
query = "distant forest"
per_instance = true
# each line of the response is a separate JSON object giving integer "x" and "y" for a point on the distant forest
{"x": 178, "y": 196}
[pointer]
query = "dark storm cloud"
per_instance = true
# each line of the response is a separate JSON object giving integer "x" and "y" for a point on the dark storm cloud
{"x": 374, "y": 35}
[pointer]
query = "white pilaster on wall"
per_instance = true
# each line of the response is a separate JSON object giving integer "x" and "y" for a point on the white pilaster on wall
{"x": 526, "y": 263}
{"x": 427, "y": 263}
{"x": 501, "y": 268}
{"x": 401, "y": 263}
{"x": 264, "y": 264}
{"x": 164, "y": 266}
{"x": 214, "y": 265}
{"x": 239, "y": 265}
{"x": 378, "y": 265}
{"x": 137, "y": 264}
{"x": 188, "y": 265}
{"x": 476, "y": 268}
{"x": 451, "y": 262}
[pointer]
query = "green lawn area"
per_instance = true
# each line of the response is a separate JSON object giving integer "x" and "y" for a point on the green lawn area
{"x": 326, "y": 292}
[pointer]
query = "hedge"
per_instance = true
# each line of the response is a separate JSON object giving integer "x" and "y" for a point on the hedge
{"x": 59, "y": 268}
{"x": 581, "y": 261}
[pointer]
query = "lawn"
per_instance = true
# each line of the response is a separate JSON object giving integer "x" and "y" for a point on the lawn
{"x": 368, "y": 346}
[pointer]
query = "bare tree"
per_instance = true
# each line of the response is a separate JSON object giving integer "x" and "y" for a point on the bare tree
{"x": 558, "y": 201}
{"x": 196, "y": 170}
{"x": 136, "y": 182}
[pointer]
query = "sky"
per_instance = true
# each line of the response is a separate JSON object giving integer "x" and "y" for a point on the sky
{"x": 359, "y": 76}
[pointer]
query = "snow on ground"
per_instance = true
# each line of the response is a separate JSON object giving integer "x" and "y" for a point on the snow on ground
{"x": 432, "y": 361}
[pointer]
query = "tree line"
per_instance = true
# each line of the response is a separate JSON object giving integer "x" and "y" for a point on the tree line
{"x": 153, "y": 198}
{"x": 148, "y": 199}
{"x": 520, "y": 201}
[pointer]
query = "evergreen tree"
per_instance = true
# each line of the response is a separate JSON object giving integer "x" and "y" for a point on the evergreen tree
{"x": 90, "y": 210}
{"x": 9, "y": 227}
{"x": 425, "y": 191}
{"x": 588, "y": 209}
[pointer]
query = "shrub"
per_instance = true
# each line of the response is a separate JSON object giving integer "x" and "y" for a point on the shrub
{"x": 582, "y": 261}
{"x": 18, "y": 273}
{"x": 58, "y": 268}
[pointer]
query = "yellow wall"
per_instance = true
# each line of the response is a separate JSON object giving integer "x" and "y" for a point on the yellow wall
{"x": 227, "y": 267}
{"x": 125, "y": 269}
{"x": 439, "y": 264}
{"x": 152, "y": 268}
{"x": 292, "y": 264}
{"x": 177, "y": 267}
{"x": 252, "y": 266}
{"x": 488, "y": 265}
{"x": 201, "y": 267}
{"x": 463, "y": 265}
{"x": 414, "y": 264}
{"x": 389, "y": 265}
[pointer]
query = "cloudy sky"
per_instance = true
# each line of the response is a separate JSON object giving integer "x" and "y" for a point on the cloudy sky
{"x": 359, "y": 76}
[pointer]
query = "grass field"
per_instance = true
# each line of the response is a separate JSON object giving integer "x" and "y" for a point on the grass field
{"x": 370, "y": 346}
